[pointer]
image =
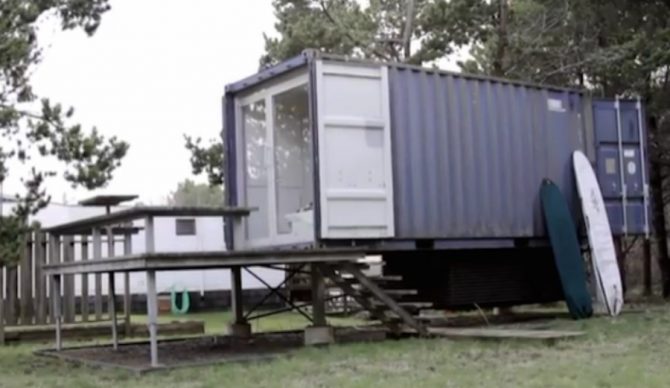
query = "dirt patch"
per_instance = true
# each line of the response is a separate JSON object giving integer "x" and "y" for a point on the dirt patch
{"x": 203, "y": 350}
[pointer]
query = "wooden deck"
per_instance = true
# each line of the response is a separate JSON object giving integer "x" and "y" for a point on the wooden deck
{"x": 201, "y": 260}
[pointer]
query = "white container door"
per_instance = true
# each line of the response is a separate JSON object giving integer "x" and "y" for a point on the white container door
{"x": 354, "y": 144}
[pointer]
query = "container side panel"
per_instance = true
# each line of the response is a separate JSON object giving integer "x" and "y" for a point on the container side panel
{"x": 470, "y": 154}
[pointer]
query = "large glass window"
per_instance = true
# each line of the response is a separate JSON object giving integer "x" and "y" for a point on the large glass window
{"x": 255, "y": 135}
{"x": 294, "y": 192}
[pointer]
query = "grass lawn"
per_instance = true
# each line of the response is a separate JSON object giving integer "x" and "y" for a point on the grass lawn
{"x": 630, "y": 351}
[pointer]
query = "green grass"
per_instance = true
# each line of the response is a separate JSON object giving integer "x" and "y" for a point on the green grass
{"x": 630, "y": 351}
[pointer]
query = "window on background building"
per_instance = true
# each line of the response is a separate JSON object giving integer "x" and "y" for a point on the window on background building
{"x": 185, "y": 227}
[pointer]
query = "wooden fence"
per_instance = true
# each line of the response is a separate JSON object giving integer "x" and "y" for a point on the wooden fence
{"x": 25, "y": 291}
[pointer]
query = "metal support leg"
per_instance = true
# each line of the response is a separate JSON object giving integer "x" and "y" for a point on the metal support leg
{"x": 152, "y": 312}
{"x": 239, "y": 327}
{"x": 112, "y": 310}
{"x": 56, "y": 305}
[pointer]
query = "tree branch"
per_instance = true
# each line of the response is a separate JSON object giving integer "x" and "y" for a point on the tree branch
{"x": 347, "y": 31}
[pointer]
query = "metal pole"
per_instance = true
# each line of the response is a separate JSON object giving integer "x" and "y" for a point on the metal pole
{"x": 624, "y": 191}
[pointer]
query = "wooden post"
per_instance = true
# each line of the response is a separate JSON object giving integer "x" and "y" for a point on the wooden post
{"x": 26, "y": 291}
{"x": 152, "y": 297}
{"x": 40, "y": 279}
{"x": 618, "y": 247}
{"x": 318, "y": 296}
{"x": 97, "y": 255}
{"x": 110, "y": 254}
{"x": 236, "y": 295}
{"x": 68, "y": 281}
{"x": 56, "y": 303}
{"x": 127, "y": 250}
{"x": 12, "y": 280}
{"x": 152, "y": 312}
{"x": 84, "y": 281}
{"x": 149, "y": 242}
{"x": 54, "y": 258}
{"x": 647, "y": 267}
{"x": 112, "y": 310}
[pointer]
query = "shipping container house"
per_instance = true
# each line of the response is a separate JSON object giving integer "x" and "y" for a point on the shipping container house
{"x": 335, "y": 150}
{"x": 401, "y": 159}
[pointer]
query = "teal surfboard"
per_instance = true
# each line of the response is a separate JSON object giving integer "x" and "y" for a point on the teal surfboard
{"x": 565, "y": 245}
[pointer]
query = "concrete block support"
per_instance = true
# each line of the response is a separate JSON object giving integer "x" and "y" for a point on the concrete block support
{"x": 319, "y": 335}
{"x": 240, "y": 330}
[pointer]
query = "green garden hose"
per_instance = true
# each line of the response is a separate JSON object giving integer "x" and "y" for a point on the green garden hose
{"x": 185, "y": 301}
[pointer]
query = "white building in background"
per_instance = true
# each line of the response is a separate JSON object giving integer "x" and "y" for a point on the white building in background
{"x": 172, "y": 234}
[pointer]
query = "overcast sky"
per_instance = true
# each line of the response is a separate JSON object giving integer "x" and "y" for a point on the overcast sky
{"x": 155, "y": 70}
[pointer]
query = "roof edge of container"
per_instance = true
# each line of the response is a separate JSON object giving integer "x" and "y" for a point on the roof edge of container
{"x": 270, "y": 72}
{"x": 309, "y": 54}
{"x": 410, "y": 67}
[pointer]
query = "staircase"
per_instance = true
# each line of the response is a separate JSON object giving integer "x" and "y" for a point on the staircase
{"x": 387, "y": 304}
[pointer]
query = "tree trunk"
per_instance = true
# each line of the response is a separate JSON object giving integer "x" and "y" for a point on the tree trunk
{"x": 501, "y": 47}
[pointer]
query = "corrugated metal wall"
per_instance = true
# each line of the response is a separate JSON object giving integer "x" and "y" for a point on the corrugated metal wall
{"x": 470, "y": 154}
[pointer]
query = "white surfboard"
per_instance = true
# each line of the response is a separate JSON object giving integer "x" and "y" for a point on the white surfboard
{"x": 607, "y": 279}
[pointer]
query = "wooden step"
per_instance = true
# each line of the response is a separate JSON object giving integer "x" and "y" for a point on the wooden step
{"x": 400, "y": 292}
{"x": 414, "y": 305}
{"x": 386, "y": 278}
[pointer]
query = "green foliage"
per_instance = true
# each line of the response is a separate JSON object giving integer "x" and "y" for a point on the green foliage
{"x": 189, "y": 193}
{"x": 378, "y": 29}
{"x": 206, "y": 159}
{"x": 34, "y": 128}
